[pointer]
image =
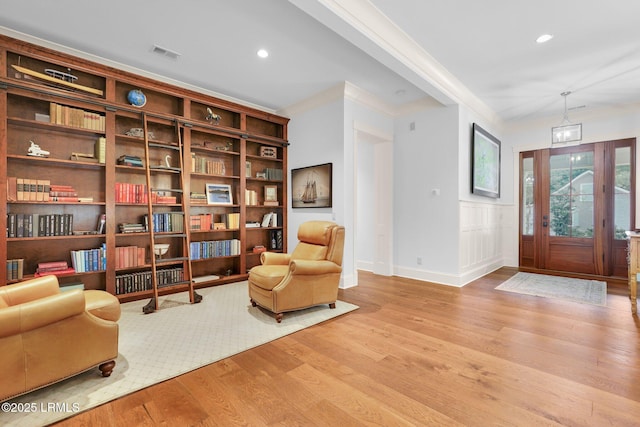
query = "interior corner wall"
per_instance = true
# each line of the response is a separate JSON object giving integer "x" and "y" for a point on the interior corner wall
{"x": 426, "y": 181}
{"x": 325, "y": 134}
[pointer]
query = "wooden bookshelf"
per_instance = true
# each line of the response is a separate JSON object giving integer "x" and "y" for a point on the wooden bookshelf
{"x": 220, "y": 138}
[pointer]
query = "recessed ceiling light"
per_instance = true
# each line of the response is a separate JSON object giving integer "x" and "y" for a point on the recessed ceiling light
{"x": 544, "y": 38}
{"x": 262, "y": 53}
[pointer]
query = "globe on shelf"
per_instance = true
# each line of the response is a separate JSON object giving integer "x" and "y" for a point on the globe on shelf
{"x": 136, "y": 98}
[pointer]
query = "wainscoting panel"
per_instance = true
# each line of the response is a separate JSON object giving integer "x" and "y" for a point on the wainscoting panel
{"x": 486, "y": 238}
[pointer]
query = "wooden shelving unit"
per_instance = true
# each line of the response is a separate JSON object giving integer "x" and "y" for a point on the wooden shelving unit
{"x": 216, "y": 151}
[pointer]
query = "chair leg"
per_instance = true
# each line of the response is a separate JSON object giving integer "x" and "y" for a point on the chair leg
{"x": 279, "y": 317}
{"x": 332, "y": 305}
{"x": 107, "y": 367}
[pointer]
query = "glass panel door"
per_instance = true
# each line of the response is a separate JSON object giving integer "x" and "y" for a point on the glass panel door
{"x": 571, "y": 195}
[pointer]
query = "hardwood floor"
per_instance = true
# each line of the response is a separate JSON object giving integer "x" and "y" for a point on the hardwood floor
{"x": 417, "y": 354}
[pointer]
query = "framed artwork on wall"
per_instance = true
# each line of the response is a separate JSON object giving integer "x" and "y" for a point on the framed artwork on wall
{"x": 485, "y": 163}
{"x": 311, "y": 186}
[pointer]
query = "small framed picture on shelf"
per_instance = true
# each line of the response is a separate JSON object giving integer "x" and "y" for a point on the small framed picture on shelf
{"x": 271, "y": 195}
{"x": 219, "y": 194}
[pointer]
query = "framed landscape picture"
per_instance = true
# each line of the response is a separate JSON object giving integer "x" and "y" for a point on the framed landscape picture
{"x": 219, "y": 194}
{"x": 311, "y": 186}
{"x": 485, "y": 166}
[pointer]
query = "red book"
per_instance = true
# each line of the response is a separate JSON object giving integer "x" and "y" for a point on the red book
{"x": 52, "y": 264}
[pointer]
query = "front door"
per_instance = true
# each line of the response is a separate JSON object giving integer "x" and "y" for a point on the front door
{"x": 576, "y": 203}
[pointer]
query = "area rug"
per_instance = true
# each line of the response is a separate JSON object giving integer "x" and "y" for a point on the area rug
{"x": 565, "y": 288}
{"x": 177, "y": 338}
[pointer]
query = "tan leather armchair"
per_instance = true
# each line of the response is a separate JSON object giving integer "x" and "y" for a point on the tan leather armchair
{"x": 47, "y": 335}
{"x": 308, "y": 276}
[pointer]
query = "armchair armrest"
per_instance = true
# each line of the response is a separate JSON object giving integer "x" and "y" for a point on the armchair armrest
{"x": 41, "y": 312}
{"x": 30, "y": 290}
{"x": 303, "y": 266}
{"x": 274, "y": 258}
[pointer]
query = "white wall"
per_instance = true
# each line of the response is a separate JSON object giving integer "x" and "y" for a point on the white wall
{"x": 426, "y": 215}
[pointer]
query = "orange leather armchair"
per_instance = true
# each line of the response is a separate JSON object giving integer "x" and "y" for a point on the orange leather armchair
{"x": 308, "y": 276}
{"x": 47, "y": 335}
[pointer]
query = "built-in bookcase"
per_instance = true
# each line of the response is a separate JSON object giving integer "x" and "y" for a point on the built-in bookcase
{"x": 79, "y": 115}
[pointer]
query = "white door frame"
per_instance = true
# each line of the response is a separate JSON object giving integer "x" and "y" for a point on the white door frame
{"x": 383, "y": 203}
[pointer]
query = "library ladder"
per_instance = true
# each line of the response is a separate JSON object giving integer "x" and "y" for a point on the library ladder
{"x": 180, "y": 231}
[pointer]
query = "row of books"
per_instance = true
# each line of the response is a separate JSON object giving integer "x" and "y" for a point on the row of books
{"x": 137, "y": 193}
{"x": 207, "y": 166}
{"x": 166, "y": 222}
{"x": 131, "y": 193}
{"x": 130, "y": 256}
{"x": 75, "y": 117}
{"x": 251, "y": 197}
{"x": 85, "y": 260}
{"x": 41, "y": 190}
{"x": 201, "y": 222}
{"x": 214, "y": 248}
{"x": 141, "y": 281}
{"x": 230, "y": 220}
{"x": 38, "y": 225}
{"x": 26, "y": 189}
{"x": 15, "y": 269}
{"x": 273, "y": 174}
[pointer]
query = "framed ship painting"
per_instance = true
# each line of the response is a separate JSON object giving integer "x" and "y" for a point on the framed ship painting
{"x": 311, "y": 186}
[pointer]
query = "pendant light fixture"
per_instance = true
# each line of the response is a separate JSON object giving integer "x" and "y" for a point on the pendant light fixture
{"x": 567, "y": 131}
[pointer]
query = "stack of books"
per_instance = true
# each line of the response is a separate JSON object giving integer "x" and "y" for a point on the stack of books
{"x": 62, "y": 193}
{"x": 57, "y": 268}
{"x": 127, "y": 160}
{"x": 198, "y": 197}
{"x": 127, "y": 227}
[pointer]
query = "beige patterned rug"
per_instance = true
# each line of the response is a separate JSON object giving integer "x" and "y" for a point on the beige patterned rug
{"x": 176, "y": 339}
{"x": 565, "y": 288}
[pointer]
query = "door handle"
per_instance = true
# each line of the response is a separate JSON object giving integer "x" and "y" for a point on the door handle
{"x": 544, "y": 220}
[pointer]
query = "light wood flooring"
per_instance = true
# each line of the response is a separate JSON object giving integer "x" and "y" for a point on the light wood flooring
{"x": 417, "y": 354}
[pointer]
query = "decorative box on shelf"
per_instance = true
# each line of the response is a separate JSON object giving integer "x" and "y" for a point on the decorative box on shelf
{"x": 270, "y": 152}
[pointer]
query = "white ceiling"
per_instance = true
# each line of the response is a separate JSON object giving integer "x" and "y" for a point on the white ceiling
{"x": 482, "y": 53}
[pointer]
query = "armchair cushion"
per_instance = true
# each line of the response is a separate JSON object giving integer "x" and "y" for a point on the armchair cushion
{"x": 268, "y": 276}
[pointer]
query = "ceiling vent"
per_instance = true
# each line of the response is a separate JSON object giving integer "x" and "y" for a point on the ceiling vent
{"x": 165, "y": 52}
